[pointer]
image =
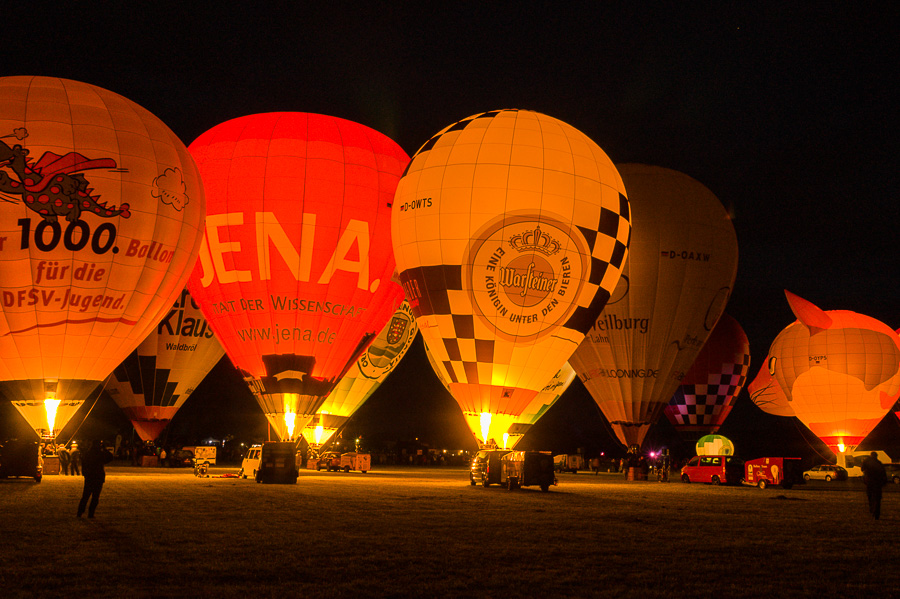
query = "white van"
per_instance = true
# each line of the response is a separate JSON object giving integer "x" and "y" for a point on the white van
{"x": 852, "y": 461}
{"x": 250, "y": 465}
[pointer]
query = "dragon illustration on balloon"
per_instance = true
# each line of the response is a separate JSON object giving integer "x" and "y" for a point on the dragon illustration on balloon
{"x": 54, "y": 185}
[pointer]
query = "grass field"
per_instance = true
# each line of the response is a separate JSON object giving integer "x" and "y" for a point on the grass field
{"x": 407, "y": 532}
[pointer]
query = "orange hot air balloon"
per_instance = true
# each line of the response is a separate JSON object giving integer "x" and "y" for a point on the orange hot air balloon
{"x": 100, "y": 225}
{"x": 767, "y": 394}
{"x": 839, "y": 370}
{"x": 295, "y": 272}
{"x": 364, "y": 377}
{"x": 510, "y": 230}
{"x": 156, "y": 379}
{"x": 676, "y": 283}
{"x": 709, "y": 389}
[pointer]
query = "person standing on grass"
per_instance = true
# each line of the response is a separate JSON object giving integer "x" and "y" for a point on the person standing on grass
{"x": 875, "y": 477}
{"x": 92, "y": 464}
{"x": 63, "y": 454}
{"x": 75, "y": 459}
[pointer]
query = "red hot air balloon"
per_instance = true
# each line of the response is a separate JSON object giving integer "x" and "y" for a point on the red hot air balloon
{"x": 100, "y": 225}
{"x": 295, "y": 272}
{"x": 839, "y": 371}
{"x": 710, "y": 388}
{"x": 156, "y": 379}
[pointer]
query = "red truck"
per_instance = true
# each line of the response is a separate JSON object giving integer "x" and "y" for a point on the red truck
{"x": 763, "y": 472}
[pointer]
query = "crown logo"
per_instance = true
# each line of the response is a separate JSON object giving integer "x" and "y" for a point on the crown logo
{"x": 534, "y": 241}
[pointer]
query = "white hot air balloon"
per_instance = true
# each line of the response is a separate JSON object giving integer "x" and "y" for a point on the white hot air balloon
{"x": 673, "y": 290}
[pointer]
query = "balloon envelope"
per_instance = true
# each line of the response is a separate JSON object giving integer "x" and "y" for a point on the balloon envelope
{"x": 839, "y": 370}
{"x": 156, "y": 379}
{"x": 542, "y": 402}
{"x": 364, "y": 377}
{"x": 714, "y": 445}
{"x": 295, "y": 271}
{"x": 709, "y": 389}
{"x": 510, "y": 229}
{"x": 101, "y": 218}
{"x": 676, "y": 283}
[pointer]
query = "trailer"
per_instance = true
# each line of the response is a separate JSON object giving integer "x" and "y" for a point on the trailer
{"x": 568, "y": 463}
{"x": 356, "y": 461}
{"x": 764, "y": 472}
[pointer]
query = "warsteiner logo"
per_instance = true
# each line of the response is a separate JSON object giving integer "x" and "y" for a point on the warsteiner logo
{"x": 524, "y": 273}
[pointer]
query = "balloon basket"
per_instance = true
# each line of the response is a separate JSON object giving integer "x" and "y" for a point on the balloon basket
{"x": 632, "y": 473}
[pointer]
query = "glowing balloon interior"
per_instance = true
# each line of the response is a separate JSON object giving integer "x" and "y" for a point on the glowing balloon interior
{"x": 510, "y": 230}
{"x": 101, "y": 216}
{"x": 676, "y": 283}
{"x": 295, "y": 270}
{"x": 364, "y": 377}
{"x": 714, "y": 445}
{"x": 839, "y": 372}
{"x": 156, "y": 379}
{"x": 709, "y": 389}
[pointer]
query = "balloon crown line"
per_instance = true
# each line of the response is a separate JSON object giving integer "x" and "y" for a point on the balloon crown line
{"x": 535, "y": 241}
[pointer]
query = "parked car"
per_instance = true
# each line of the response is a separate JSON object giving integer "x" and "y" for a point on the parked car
{"x": 526, "y": 468}
{"x": 330, "y": 460}
{"x": 826, "y": 472}
{"x": 21, "y": 458}
{"x": 485, "y": 467}
{"x": 250, "y": 464}
{"x": 713, "y": 469}
{"x": 764, "y": 472}
{"x": 181, "y": 457}
{"x": 278, "y": 463}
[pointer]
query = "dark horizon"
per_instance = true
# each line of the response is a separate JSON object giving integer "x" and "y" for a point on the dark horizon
{"x": 784, "y": 112}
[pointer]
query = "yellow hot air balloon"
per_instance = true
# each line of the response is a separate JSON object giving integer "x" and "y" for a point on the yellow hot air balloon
{"x": 156, "y": 379}
{"x": 838, "y": 370}
{"x": 100, "y": 225}
{"x": 364, "y": 377}
{"x": 676, "y": 283}
{"x": 510, "y": 230}
{"x": 542, "y": 402}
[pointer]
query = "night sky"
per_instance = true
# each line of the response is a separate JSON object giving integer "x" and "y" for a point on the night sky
{"x": 787, "y": 113}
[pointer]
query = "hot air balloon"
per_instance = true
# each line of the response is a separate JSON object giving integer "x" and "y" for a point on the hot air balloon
{"x": 709, "y": 389}
{"x": 838, "y": 370}
{"x": 714, "y": 445}
{"x": 674, "y": 288}
{"x": 295, "y": 272}
{"x": 156, "y": 379}
{"x": 510, "y": 230}
{"x": 766, "y": 392}
{"x": 542, "y": 402}
{"x": 364, "y": 377}
{"x": 99, "y": 227}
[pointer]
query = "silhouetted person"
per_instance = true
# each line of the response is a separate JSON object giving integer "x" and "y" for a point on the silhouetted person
{"x": 92, "y": 464}
{"x": 63, "y": 454}
{"x": 875, "y": 477}
{"x": 75, "y": 459}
